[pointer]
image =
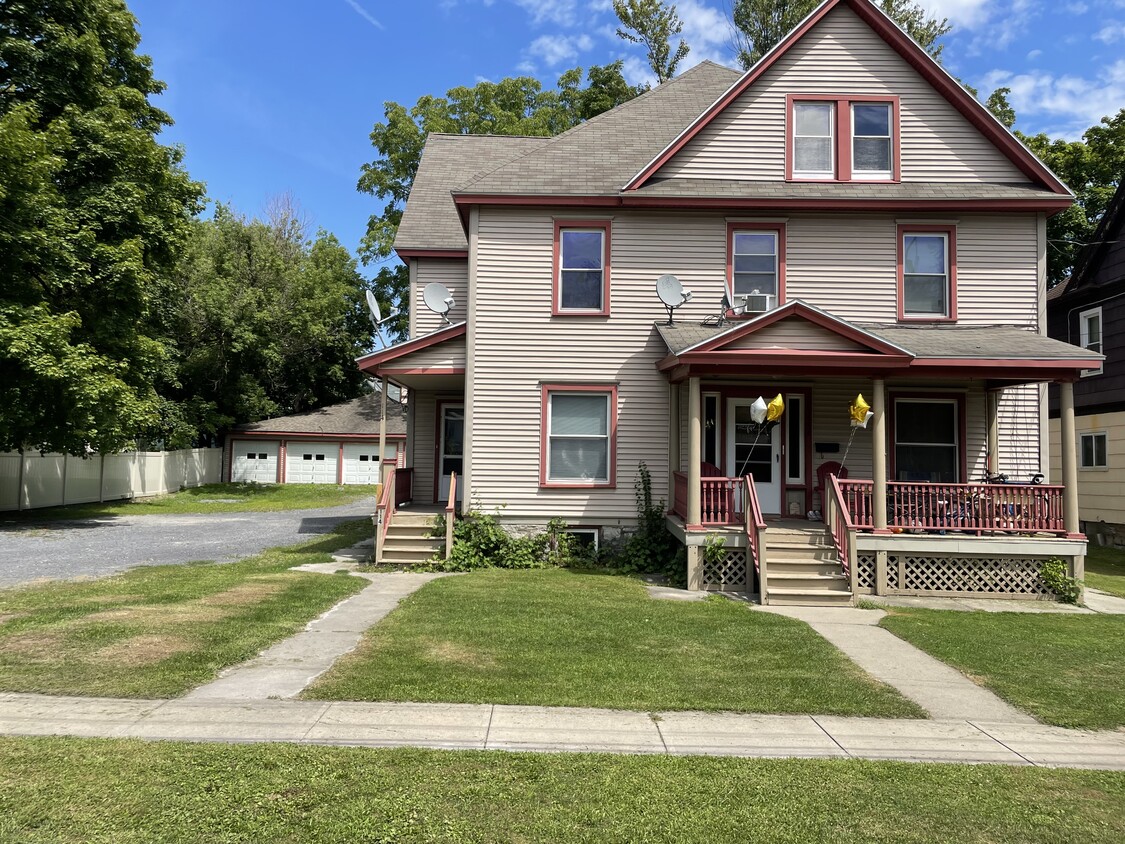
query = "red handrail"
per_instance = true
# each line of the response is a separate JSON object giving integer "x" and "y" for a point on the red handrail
{"x": 384, "y": 511}
{"x": 755, "y": 524}
{"x": 450, "y": 514}
{"x": 838, "y": 518}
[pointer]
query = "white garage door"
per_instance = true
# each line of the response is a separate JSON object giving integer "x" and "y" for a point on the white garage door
{"x": 361, "y": 462}
{"x": 311, "y": 463}
{"x": 254, "y": 461}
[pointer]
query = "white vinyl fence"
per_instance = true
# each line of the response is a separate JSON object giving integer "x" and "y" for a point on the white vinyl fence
{"x": 50, "y": 480}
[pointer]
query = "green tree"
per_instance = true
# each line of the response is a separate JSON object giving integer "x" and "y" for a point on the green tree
{"x": 760, "y": 24}
{"x": 654, "y": 25}
{"x": 516, "y": 106}
{"x": 92, "y": 211}
{"x": 1092, "y": 168}
{"x": 263, "y": 322}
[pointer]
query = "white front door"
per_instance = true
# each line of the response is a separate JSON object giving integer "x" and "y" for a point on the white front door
{"x": 451, "y": 449}
{"x": 754, "y": 449}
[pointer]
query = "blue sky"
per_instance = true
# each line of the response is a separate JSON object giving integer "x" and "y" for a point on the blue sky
{"x": 271, "y": 96}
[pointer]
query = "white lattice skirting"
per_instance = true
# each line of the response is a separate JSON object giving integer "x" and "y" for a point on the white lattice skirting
{"x": 728, "y": 574}
{"x": 915, "y": 574}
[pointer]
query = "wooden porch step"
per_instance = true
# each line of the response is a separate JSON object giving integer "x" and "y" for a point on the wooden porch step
{"x": 405, "y": 517}
{"x": 807, "y": 580}
{"x": 787, "y": 597}
{"x": 799, "y": 553}
{"x": 400, "y": 555}
{"x": 778, "y": 568}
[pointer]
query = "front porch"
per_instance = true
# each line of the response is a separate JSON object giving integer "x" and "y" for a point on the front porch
{"x": 910, "y": 519}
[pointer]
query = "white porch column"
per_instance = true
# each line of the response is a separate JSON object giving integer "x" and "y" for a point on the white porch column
{"x": 695, "y": 453}
{"x": 879, "y": 454}
{"x": 673, "y": 438}
{"x": 992, "y": 403}
{"x": 383, "y": 432}
{"x": 1069, "y": 458}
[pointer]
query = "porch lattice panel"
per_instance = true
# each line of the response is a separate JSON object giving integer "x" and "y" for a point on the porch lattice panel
{"x": 865, "y": 572}
{"x": 1001, "y": 575}
{"x": 728, "y": 573}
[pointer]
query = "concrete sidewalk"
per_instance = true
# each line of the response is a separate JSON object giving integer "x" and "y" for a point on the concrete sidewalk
{"x": 550, "y": 730}
{"x": 941, "y": 690}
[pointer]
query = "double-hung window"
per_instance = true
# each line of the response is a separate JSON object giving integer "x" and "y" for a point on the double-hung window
{"x": 1090, "y": 328}
{"x": 927, "y": 442}
{"x": 927, "y": 273}
{"x": 579, "y": 436}
{"x": 1092, "y": 451}
{"x": 836, "y": 138}
{"x": 581, "y": 271}
{"x": 756, "y": 265}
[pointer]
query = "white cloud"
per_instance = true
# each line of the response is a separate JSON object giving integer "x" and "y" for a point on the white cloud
{"x": 967, "y": 14}
{"x": 637, "y": 72}
{"x": 1033, "y": 55}
{"x": 562, "y": 12}
{"x": 366, "y": 15}
{"x": 1113, "y": 31}
{"x": 1077, "y": 8}
{"x": 1063, "y": 105}
{"x": 706, "y": 31}
{"x": 553, "y": 50}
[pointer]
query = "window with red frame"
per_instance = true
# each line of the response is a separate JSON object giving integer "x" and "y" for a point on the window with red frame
{"x": 843, "y": 138}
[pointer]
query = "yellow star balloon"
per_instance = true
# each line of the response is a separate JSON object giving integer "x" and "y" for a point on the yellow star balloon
{"x": 775, "y": 408}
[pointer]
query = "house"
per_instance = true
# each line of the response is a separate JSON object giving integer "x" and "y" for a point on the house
{"x": 338, "y": 444}
{"x": 877, "y": 231}
{"x": 1088, "y": 310}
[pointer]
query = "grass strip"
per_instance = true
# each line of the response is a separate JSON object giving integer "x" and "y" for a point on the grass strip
{"x": 211, "y": 498}
{"x": 1105, "y": 569}
{"x": 157, "y": 631}
{"x": 1067, "y": 670}
{"x": 559, "y": 638}
{"x": 74, "y": 790}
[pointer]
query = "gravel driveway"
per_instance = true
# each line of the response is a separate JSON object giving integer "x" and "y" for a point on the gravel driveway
{"x": 105, "y": 545}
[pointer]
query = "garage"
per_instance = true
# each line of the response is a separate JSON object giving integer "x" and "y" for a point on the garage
{"x": 311, "y": 462}
{"x": 254, "y": 461}
{"x": 330, "y": 445}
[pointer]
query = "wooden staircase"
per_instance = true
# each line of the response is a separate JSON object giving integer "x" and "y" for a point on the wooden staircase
{"x": 803, "y": 569}
{"x": 408, "y": 541}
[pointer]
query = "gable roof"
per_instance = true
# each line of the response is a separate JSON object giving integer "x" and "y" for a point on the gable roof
{"x": 358, "y": 416}
{"x": 1111, "y": 228}
{"x": 430, "y": 220}
{"x": 372, "y": 361}
{"x": 597, "y": 157}
{"x": 979, "y": 116}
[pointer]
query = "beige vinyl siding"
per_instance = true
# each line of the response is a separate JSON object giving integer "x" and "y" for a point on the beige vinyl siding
{"x": 1101, "y": 492}
{"x": 795, "y": 333}
{"x": 454, "y": 274}
{"x": 424, "y": 407}
{"x": 845, "y": 264}
{"x": 841, "y": 56}
{"x": 1020, "y": 433}
{"x": 447, "y": 355}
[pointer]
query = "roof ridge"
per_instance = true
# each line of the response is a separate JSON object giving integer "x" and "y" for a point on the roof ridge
{"x": 486, "y": 135}
{"x": 597, "y": 118}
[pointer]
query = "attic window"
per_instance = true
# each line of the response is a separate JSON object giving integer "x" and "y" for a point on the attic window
{"x": 834, "y": 138}
{"x": 813, "y": 130}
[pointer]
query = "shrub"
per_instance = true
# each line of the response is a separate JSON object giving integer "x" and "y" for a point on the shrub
{"x": 480, "y": 541}
{"x": 1054, "y": 577}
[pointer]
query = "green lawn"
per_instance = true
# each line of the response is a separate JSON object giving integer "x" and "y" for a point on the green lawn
{"x": 558, "y": 638}
{"x": 1105, "y": 569}
{"x": 1064, "y": 669}
{"x": 211, "y": 498}
{"x": 73, "y": 790}
{"x": 158, "y": 631}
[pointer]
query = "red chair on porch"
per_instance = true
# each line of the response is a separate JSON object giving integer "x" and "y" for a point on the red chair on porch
{"x": 709, "y": 470}
{"x": 822, "y": 473}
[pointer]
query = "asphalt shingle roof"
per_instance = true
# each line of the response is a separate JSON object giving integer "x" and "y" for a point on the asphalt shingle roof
{"x": 733, "y": 189}
{"x": 601, "y": 155}
{"x": 358, "y": 416}
{"x": 928, "y": 341}
{"x": 430, "y": 219}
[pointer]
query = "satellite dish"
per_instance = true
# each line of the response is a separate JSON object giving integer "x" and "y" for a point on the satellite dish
{"x": 671, "y": 293}
{"x": 377, "y": 318}
{"x": 438, "y": 299}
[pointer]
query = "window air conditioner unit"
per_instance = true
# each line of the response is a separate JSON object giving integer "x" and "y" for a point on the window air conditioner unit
{"x": 757, "y": 303}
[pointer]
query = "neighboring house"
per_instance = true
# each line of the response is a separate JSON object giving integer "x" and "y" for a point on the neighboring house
{"x": 1088, "y": 310}
{"x": 338, "y": 444}
{"x": 887, "y": 236}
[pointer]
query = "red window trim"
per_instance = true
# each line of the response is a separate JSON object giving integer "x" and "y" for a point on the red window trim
{"x": 749, "y": 226}
{"x": 920, "y": 228}
{"x": 546, "y": 390}
{"x": 556, "y": 266}
{"x": 843, "y": 124}
{"x": 962, "y": 428}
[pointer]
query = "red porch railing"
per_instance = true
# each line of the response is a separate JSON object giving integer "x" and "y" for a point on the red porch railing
{"x": 404, "y": 486}
{"x": 755, "y": 527}
{"x": 838, "y": 518}
{"x": 720, "y": 498}
{"x": 975, "y": 508}
{"x": 450, "y": 514}
{"x": 385, "y": 511}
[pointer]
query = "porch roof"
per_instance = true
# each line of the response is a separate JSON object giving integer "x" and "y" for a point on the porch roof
{"x": 999, "y": 353}
{"x": 432, "y": 361}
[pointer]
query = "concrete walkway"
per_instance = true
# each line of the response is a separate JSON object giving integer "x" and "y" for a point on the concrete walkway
{"x": 554, "y": 730}
{"x": 283, "y": 670}
{"x": 944, "y": 692}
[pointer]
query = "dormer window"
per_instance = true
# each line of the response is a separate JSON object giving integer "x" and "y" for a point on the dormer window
{"x": 842, "y": 139}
